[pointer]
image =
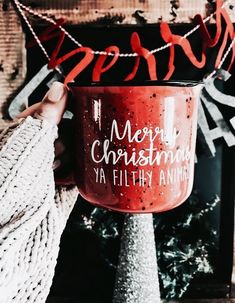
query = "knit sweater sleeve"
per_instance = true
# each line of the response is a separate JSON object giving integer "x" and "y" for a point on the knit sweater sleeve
{"x": 32, "y": 213}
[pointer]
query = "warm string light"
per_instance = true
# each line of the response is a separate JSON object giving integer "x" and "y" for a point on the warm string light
{"x": 21, "y": 8}
{"x": 210, "y": 206}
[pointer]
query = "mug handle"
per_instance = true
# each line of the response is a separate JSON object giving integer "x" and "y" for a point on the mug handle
{"x": 63, "y": 130}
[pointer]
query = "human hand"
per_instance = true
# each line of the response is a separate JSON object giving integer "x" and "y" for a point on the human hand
{"x": 51, "y": 109}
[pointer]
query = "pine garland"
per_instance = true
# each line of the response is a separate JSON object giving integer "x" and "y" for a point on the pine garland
{"x": 185, "y": 241}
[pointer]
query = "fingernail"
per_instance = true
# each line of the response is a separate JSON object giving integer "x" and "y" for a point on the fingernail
{"x": 56, "y": 164}
{"x": 56, "y": 91}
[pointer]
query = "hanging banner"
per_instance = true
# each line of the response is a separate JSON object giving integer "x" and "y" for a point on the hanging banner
{"x": 103, "y": 61}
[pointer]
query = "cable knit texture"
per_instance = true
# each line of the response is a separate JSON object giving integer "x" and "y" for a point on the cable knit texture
{"x": 32, "y": 213}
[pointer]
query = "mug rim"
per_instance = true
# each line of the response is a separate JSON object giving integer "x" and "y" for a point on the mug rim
{"x": 176, "y": 83}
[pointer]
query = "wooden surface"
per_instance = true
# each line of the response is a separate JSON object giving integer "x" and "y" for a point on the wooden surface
{"x": 12, "y": 56}
{"x": 121, "y": 11}
{"x": 124, "y": 11}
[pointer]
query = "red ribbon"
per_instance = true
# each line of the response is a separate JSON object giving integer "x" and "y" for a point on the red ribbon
{"x": 48, "y": 34}
{"x": 210, "y": 42}
{"x": 100, "y": 68}
{"x": 184, "y": 44}
{"x": 142, "y": 52}
{"x": 80, "y": 66}
{"x": 167, "y": 37}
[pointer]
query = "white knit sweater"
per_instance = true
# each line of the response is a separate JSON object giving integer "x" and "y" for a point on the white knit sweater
{"x": 32, "y": 213}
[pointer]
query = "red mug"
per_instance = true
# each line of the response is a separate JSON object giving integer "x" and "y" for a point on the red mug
{"x": 135, "y": 143}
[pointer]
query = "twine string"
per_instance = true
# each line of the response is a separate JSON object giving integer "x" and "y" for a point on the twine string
{"x": 21, "y": 8}
{"x": 31, "y": 29}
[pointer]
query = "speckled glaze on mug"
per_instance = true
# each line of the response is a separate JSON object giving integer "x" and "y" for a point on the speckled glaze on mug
{"x": 136, "y": 144}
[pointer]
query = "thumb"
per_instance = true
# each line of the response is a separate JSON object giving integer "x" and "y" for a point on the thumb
{"x": 53, "y": 104}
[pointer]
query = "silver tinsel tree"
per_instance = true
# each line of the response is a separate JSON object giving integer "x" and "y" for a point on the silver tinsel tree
{"x": 186, "y": 240}
{"x": 137, "y": 271}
